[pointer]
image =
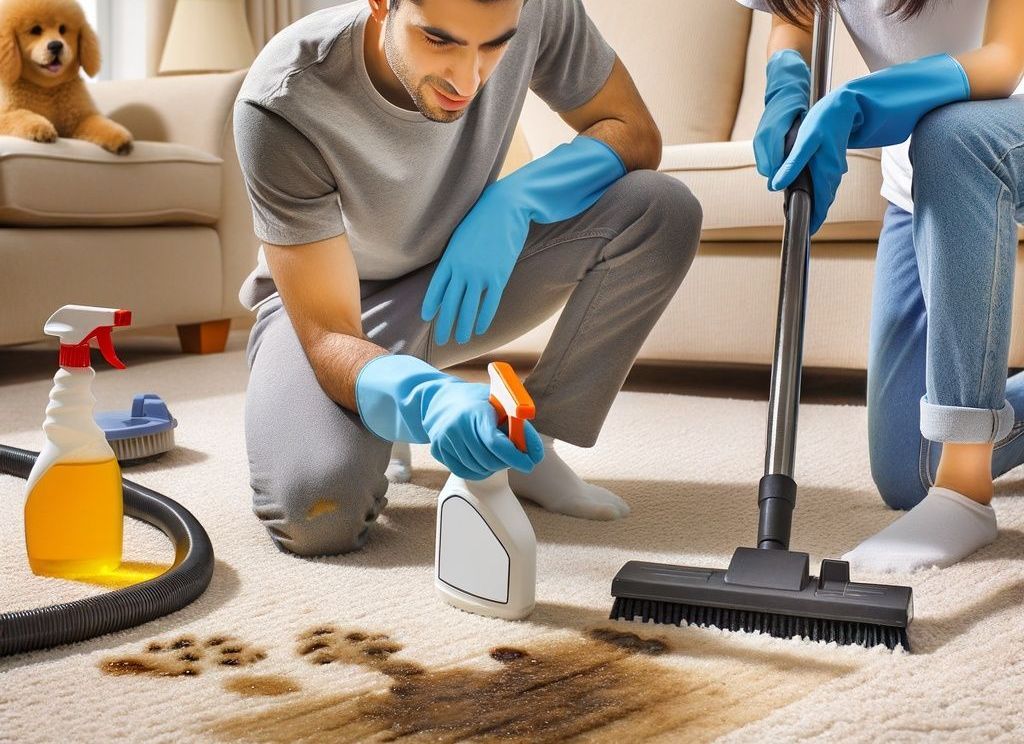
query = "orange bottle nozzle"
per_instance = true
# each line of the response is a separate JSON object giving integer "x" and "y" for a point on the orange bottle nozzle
{"x": 511, "y": 401}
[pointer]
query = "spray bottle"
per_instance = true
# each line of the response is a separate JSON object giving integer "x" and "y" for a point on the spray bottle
{"x": 74, "y": 508}
{"x": 486, "y": 552}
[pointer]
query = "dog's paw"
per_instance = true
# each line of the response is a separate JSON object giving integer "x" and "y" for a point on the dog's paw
{"x": 39, "y": 130}
{"x": 105, "y": 133}
{"x": 116, "y": 142}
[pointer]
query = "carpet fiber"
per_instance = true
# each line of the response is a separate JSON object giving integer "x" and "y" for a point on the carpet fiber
{"x": 358, "y": 648}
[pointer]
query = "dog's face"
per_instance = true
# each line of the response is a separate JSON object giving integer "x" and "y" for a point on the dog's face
{"x": 46, "y": 42}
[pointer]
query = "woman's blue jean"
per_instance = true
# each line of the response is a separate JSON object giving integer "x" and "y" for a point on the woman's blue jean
{"x": 943, "y": 298}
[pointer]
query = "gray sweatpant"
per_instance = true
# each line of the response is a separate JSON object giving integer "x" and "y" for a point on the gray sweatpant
{"x": 317, "y": 473}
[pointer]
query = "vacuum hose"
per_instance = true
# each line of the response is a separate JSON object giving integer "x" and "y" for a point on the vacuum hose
{"x": 45, "y": 627}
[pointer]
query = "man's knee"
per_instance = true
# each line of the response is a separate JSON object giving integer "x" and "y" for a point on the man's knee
{"x": 325, "y": 510}
{"x": 668, "y": 199}
{"x": 669, "y": 214}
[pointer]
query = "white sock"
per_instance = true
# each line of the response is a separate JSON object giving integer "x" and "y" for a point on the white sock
{"x": 400, "y": 468}
{"x": 554, "y": 486}
{"x": 943, "y": 529}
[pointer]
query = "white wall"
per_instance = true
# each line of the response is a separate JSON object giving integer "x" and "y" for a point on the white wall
{"x": 98, "y": 20}
{"x": 128, "y": 32}
{"x": 121, "y": 25}
{"x": 89, "y": 6}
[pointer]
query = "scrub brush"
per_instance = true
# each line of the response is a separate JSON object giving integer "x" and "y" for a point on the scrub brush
{"x": 141, "y": 434}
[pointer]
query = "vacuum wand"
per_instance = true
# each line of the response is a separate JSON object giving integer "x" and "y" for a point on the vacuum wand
{"x": 777, "y": 489}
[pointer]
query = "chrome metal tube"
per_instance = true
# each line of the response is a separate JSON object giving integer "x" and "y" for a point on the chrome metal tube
{"x": 784, "y": 400}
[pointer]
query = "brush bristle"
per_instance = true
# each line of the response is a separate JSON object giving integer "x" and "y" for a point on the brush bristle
{"x": 779, "y": 626}
{"x": 137, "y": 450}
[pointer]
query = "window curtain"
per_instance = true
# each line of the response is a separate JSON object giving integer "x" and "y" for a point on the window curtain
{"x": 267, "y": 17}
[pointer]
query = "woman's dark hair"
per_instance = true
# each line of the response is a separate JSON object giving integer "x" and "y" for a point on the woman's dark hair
{"x": 802, "y": 11}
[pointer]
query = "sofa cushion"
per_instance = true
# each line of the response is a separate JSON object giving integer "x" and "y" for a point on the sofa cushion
{"x": 75, "y": 183}
{"x": 738, "y": 206}
{"x": 687, "y": 58}
{"x": 691, "y": 86}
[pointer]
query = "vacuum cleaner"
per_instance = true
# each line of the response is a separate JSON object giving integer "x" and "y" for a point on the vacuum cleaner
{"x": 769, "y": 588}
{"x": 70, "y": 622}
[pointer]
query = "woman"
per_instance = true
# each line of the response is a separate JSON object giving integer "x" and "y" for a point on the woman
{"x": 943, "y": 419}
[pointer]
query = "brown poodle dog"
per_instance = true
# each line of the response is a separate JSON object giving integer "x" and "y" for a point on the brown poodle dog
{"x": 43, "y": 45}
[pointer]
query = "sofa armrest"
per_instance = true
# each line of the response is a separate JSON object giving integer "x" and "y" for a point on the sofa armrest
{"x": 187, "y": 109}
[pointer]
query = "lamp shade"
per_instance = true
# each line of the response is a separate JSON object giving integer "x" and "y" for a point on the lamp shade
{"x": 208, "y": 36}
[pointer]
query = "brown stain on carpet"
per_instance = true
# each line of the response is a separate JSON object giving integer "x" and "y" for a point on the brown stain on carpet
{"x": 602, "y": 685}
{"x": 184, "y": 656}
{"x": 261, "y": 685}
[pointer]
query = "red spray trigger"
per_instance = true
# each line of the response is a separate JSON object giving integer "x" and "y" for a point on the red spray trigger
{"x": 76, "y": 325}
{"x": 78, "y": 355}
{"x": 107, "y": 347}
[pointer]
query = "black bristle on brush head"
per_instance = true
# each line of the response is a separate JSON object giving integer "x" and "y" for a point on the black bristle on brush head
{"x": 843, "y": 633}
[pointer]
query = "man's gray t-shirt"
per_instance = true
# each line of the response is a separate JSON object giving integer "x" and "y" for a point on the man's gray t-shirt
{"x": 324, "y": 153}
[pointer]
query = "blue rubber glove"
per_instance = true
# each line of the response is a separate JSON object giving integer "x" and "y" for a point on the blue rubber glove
{"x": 873, "y": 111}
{"x": 472, "y": 274}
{"x": 403, "y": 399}
{"x": 786, "y": 98}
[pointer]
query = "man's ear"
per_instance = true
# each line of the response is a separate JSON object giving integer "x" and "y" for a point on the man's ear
{"x": 89, "y": 50}
{"x": 379, "y": 9}
{"x": 10, "y": 58}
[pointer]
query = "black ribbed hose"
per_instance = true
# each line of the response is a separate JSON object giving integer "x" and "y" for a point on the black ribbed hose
{"x": 45, "y": 627}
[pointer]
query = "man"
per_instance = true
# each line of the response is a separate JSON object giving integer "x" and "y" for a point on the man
{"x": 370, "y": 137}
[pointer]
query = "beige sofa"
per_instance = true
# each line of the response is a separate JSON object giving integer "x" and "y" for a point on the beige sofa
{"x": 165, "y": 231}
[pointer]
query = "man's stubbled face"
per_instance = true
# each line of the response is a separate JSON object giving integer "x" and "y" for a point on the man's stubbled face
{"x": 443, "y": 51}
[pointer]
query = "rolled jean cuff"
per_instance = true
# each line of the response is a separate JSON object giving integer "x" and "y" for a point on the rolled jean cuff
{"x": 957, "y": 424}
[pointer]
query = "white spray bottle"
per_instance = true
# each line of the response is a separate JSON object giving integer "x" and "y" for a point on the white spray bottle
{"x": 74, "y": 505}
{"x": 485, "y": 558}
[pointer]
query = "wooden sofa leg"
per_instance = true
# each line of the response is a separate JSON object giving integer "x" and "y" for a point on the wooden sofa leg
{"x": 210, "y": 337}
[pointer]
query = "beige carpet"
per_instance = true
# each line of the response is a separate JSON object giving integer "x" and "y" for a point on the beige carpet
{"x": 358, "y": 648}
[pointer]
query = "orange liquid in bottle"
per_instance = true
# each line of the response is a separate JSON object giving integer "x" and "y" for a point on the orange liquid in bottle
{"x": 74, "y": 518}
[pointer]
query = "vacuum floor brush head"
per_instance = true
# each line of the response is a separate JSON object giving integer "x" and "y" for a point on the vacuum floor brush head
{"x": 767, "y": 591}
{"x": 141, "y": 434}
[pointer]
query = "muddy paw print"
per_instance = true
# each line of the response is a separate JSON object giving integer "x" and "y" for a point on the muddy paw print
{"x": 328, "y": 644}
{"x": 185, "y": 656}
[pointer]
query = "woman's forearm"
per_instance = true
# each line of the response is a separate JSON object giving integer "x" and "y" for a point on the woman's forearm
{"x": 995, "y": 69}
{"x": 785, "y": 35}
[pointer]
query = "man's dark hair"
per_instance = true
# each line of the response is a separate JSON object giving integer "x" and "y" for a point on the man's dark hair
{"x": 393, "y": 4}
{"x": 802, "y": 11}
